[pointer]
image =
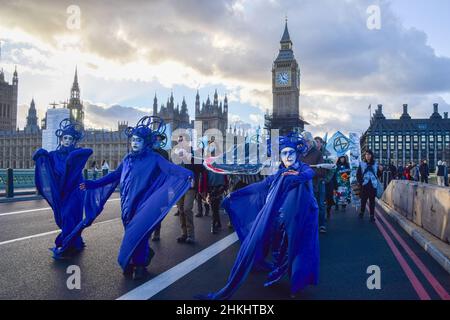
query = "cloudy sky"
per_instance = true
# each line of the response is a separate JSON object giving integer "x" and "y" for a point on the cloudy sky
{"x": 126, "y": 51}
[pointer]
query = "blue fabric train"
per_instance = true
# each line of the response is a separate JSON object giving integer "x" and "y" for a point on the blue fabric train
{"x": 149, "y": 187}
{"x": 57, "y": 176}
{"x": 278, "y": 219}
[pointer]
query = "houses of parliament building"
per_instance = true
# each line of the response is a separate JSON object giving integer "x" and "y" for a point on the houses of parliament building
{"x": 17, "y": 146}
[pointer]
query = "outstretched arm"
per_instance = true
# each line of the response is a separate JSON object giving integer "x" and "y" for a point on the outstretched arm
{"x": 39, "y": 153}
{"x": 109, "y": 178}
{"x": 173, "y": 169}
{"x": 304, "y": 173}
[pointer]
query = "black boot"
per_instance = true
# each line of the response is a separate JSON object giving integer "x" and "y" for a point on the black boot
{"x": 213, "y": 229}
{"x": 361, "y": 214}
{"x": 139, "y": 272}
{"x": 150, "y": 257}
{"x": 372, "y": 218}
{"x": 129, "y": 270}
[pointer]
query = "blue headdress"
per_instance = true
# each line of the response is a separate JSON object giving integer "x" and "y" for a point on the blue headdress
{"x": 149, "y": 128}
{"x": 292, "y": 140}
{"x": 68, "y": 127}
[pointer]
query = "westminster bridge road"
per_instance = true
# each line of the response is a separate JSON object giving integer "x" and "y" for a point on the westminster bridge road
{"x": 181, "y": 271}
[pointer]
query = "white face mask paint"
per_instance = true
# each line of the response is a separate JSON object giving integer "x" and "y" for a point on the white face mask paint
{"x": 137, "y": 144}
{"x": 288, "y": 156}
{"x": 67, "y": 141}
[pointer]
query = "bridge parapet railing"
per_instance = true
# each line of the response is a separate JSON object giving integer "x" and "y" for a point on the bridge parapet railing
{"x": 15, "y": 182}
{"x": 426, "y": 205}
{"x": 22, "y": 178}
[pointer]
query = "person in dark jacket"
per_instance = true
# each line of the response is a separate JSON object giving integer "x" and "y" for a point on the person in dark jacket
{"x": 216, "y": 184}
{"x": 440, "y": 174}
{"x": 367, "y": 175}
{"x": 424, "y": 171}
{"x": 400, "y": 172}
{"x": 393, "y": 171}
{"x": 186, "y": 203}
{"x": 312, "y": 157}
{"x": 446, "y": 182}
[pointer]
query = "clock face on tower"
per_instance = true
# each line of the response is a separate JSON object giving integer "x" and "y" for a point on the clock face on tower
{"x": 282, "y": 78}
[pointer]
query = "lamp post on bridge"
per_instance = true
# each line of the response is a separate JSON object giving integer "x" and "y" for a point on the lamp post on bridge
{"x": 9, "y": 183}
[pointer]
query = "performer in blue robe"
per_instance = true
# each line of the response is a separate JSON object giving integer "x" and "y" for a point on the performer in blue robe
{"x": 149, "y": 187}
{"x": 276, "y": 218}
{"x": 57, "y": 176}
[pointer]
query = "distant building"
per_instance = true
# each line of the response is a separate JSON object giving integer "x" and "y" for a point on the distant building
{"x": 8, "y": 102}
{"x": 111, "y": 146}
{"x": 18, "y": 146}
{"x": 75, "y": 105}
{"x": 212, "y": 115}
{"x": 407, "y": 140}
{"x": 178, "y": 118}
{"x": 32, "y": 126}
{"x": 285, "y": 90}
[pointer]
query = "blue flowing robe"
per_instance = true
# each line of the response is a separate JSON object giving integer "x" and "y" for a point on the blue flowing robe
{"x": 57, "y": 178}
{"x": 279, "y": 214}
{"x": 149, "y": 187}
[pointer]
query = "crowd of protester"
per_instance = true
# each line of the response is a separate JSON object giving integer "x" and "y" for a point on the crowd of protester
{"x": 418, "y": 172}
{"x": 331, "y": 187}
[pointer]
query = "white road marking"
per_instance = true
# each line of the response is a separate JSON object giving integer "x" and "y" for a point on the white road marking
{"x": 47, "y": 233}
{"x": 39, "y": 209}
{"x": 24, "y": 211}
{"x": 165, "y": 279}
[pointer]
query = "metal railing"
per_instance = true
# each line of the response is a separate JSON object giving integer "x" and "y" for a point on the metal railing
{"x": 14, "y": 182}
{"x": 16, "y": 179}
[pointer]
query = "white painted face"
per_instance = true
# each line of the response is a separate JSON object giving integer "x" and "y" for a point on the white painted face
{"x": 67, "y": 140}
{"x": 288, "y": 156}
{"x": 137, "y": 144}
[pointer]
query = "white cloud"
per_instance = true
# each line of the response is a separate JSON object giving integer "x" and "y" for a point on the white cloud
{"x": 129, "y": 46}
{"x": 233, "y": 117}
{"x": 256, "y": 118}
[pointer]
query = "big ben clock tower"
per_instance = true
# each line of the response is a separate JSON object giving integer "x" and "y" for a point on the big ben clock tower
{"x": 285, "y": 90}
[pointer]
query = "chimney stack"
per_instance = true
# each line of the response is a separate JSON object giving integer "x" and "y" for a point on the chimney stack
{"x": 405, "y": 108}
{"x": 380, "y": 108}
{"x": 445, "y": 115}
{"x": 435, "y": 107}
